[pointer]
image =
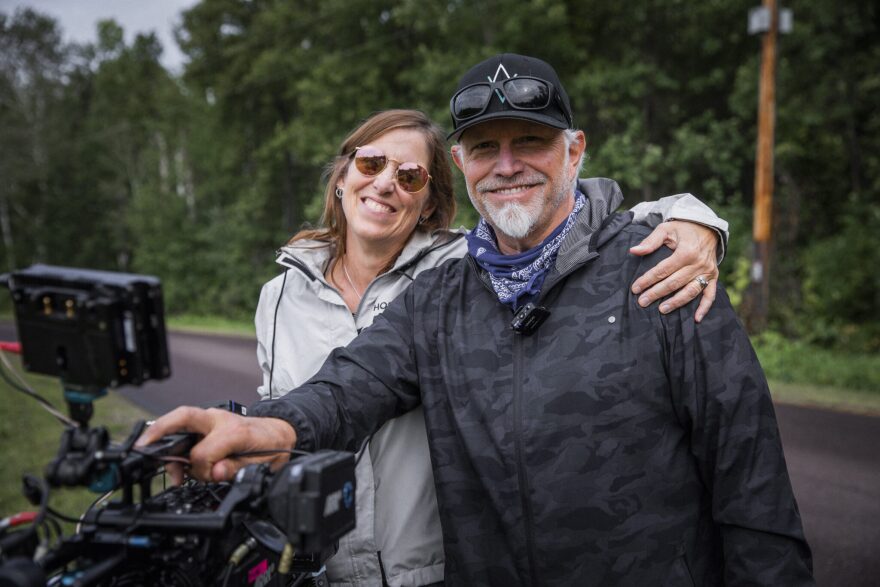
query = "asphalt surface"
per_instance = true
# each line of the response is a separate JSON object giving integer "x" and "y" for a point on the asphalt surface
{"x": 205, "y": 370}
{"x": 832, "y": 456}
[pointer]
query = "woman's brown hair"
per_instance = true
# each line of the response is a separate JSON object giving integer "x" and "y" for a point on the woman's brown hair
{"x": 441, "y": 194}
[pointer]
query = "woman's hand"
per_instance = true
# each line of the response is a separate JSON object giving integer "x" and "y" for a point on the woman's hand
{"x": 695, "y": 257}
{"x": 224, "y": 435}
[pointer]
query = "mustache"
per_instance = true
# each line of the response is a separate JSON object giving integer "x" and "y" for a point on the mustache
{"x": 500, "y": 183}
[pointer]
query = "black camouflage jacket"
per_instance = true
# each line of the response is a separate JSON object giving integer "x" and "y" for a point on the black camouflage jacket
{"x": 614, "y": 446}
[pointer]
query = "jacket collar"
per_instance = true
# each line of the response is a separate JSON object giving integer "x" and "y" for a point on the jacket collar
{"x": 595, "y": 223}
{"x": 311, "y": 257}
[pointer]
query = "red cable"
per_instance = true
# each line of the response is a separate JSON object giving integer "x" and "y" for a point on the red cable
{"x": 11, "y": 347}
{"x": 18, "y": 519}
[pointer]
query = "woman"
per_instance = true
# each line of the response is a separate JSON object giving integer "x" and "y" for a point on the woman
{"x": 384, "y": 225}
{"x": 388, "y": 205}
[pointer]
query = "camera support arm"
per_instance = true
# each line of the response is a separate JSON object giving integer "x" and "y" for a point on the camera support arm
{"x": 86, "y": 457}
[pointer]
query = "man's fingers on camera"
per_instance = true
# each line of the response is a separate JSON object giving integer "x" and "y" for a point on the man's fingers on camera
{"x": 176, "y": 472}
{"x": 202, "y": 460}
{"x": 225, "y": 470}
{"x": 183, "y": 419}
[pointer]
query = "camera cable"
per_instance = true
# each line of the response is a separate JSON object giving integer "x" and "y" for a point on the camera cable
{"x": 24, "y": 388}
{"x": 38, "y": 487}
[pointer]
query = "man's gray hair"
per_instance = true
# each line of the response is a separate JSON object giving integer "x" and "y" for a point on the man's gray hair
{"x": 570, "y": 136}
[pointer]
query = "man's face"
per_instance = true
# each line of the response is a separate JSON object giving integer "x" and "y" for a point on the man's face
{"x": 519, "y": 177}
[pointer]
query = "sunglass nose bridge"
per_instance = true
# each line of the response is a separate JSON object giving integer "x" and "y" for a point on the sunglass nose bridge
{"x": 372, "y": 162}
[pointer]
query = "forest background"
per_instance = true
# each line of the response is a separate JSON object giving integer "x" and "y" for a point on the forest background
{"x": 109, "y": 161}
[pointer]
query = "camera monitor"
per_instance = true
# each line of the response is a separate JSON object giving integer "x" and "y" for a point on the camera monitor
{"x": 93, "y": 329}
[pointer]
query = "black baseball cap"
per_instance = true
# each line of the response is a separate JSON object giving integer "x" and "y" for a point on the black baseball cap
{"x": 496, "y": 70}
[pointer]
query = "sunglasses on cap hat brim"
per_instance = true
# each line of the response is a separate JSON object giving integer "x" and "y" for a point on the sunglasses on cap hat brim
{"x": 528, "y": 98}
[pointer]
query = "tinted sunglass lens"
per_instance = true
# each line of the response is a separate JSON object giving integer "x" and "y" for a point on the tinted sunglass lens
{"x": 471, "y": 101}
{"x": 529, "y": 94}
{"x": 412, "y": 177}
{"x": 370, "y": 161}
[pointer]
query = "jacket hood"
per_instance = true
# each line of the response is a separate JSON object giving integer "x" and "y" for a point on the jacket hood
{"x": 596, "y": 223}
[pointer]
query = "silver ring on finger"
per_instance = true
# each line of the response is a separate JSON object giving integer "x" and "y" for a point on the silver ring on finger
{"x": 701, "y": 281}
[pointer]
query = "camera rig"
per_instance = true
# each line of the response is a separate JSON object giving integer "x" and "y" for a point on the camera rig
{"x": 98, "y": 329}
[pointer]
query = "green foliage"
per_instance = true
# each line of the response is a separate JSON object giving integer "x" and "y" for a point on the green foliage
{"x": 798, "y": 362}
{"x": 842, "y": 285}
{"x": 116, "y": 164}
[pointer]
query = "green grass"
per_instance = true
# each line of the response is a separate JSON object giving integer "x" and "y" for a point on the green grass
{"x": 791, "y": 361}
{"x": 29, "y": 438}
{"x": 211, "y": 325}
{"x": 827, "y": 397}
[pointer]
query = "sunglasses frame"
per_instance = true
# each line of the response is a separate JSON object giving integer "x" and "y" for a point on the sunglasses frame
{"x": 396, "y": 173}
{"x": 499, "y": 86}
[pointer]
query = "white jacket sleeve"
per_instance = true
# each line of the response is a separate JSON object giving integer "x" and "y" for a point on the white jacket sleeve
{"x": 264, "y": 323}
{"x": 681, "y": 207}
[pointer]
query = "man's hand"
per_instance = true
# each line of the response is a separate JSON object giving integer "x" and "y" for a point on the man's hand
{"x": 224, "y": 434}
{"x": 695, "y": 256}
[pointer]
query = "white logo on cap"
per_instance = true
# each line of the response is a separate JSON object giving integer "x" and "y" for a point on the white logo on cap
{"x": 495, "y": 77}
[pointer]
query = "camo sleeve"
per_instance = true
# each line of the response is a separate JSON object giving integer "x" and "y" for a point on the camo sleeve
{"x": 721, "y": 396}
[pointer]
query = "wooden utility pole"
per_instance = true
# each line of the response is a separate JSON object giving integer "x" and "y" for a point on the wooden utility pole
{"x": 764, "y": 20}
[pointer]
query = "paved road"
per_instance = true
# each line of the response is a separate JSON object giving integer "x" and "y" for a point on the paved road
{"x": 832, "y": 457}
{"x": 835, "y": 470}
{"x": 205, "y": 370}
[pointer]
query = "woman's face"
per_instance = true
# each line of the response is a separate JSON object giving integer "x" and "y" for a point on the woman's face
{"x": 377, "y": 210}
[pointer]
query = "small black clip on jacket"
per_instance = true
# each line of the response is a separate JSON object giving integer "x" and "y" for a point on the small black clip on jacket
{"x": 529, "y": 318}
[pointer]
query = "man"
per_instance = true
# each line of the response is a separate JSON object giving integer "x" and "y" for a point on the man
{"x": 576, "y": 439}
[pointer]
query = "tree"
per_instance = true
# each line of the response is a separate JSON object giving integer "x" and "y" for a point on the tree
{"x": 198, "y": 179}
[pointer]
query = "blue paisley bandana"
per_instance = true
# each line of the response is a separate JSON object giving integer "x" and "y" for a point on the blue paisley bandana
{"x": 517, "y": 279}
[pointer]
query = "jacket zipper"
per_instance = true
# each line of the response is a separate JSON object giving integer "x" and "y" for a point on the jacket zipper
{"x": 522, "y": 478}
{"x": 524, "y": 488}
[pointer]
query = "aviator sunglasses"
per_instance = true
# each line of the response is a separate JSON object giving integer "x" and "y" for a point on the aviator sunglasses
{"x": 371, "y": 161}
{"x": 520, "y": 93}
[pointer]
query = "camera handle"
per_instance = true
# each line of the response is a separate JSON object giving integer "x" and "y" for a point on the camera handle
{"x": 87, "y": 457}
